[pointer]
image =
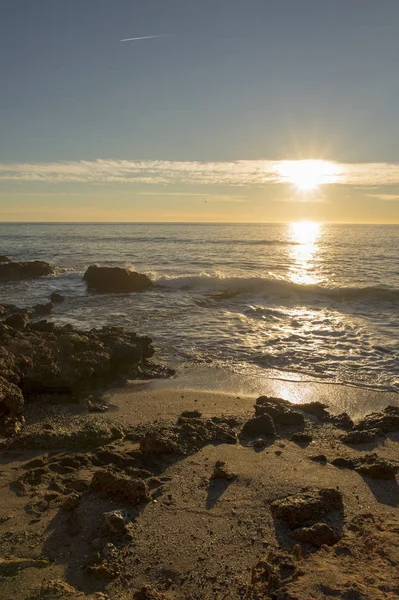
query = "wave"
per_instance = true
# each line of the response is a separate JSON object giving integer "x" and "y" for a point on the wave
{"x": 228, "y": 287}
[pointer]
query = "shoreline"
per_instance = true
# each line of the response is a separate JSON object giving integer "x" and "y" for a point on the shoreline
{"x": 356, "y": 401}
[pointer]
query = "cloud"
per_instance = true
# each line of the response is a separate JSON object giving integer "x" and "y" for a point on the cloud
{"x": 145, "y": 37}
{"x": 386, "y": 197}
{"x": 159, "y": 172}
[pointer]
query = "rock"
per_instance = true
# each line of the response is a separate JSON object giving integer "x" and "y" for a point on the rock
{"x": 4, "y": 259}
{"x": 9, "y": 567}
{"x": 17, "y": 321}
{"x": 14, "y": 271}
{"x": 301, "y": 438}
{"x": 191, "y": 414}
{"x": 11, "y": 399}
{"x": 71, "y": 502}
{"x": 43, "y": 326}
{"x": 280, "y": 410}
{"x": 147, "y": 592}
{"x": 342, "y": 421}
{"x": 57, "y": 298}
{"x": 299, "y": 509}
{"x": 259, "y": 443}
{"x": 321, "y": 458}
{"x": 114, "y": 521}
{"x": 221, "y": 471}
{"x": 93, "y": 434}
{"x": 115, "y": 279}
{"x": 55, "y": 589}
{"x": 317, "y": 535}
{"x": 40, "y": 310}
{"x": 361, "y": 437}
{"x": 317, "y": 409}
{"x": 262, "y": 425}
{"x": 155, "y": 443}
{"x": 386, "y": 421}
{"x": 344, "y": 463}
{"x": 119, "y": 487}
{"x": 375, "y": 467}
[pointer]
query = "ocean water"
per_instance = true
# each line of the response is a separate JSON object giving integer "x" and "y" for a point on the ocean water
{"x": 299, "y": 301}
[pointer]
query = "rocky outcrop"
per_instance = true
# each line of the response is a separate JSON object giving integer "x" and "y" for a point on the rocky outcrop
{"x": 262, "y": 425}
{"x": 281, "y": 411}
{"x": 386, "y": 421}
{"x": 119, "y": 487}
{"x": 66, "y": 360}
{"x": 56, "y": 297}
{"x": 14, "y": 271}
{"x": 11, "y": 399}
{"x": 301, "y": 509}
{"x": 4, "y": 259}
{"x": 115, "y": 280}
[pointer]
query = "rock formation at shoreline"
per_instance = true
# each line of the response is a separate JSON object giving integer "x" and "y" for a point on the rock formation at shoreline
{"x": 115, "y": 280}
{"x": 15, "y": 271}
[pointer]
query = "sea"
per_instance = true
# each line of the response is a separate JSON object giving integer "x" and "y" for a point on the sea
{"x": 300, "y": 301}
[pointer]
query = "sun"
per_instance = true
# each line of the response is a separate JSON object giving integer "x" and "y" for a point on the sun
{"x": 307, "y": 175}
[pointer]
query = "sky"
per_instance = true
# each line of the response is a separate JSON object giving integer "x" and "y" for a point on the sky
{"x": 197, "y": 120}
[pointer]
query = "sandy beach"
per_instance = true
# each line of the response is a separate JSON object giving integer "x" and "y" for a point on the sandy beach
{"x": 197, "y": 533}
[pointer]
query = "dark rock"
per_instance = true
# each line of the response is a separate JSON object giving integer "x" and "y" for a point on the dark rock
{"x": 361, "y": 437}
{"x": 300, "y": 509}
{"x": 56, "y": 298}
{"x": 221, "y": 471}
{"x": 343, "y": 463}
{"x": 386, "y": 421}
{"x": 280, "y": 410}
{"x": 191, "y": 414}
{"x": 375, "y": 467}
{"x": 40, "y": 310}
{"x": 43, "y": 326}
{"x": 14, "y": 271}
{"x": 321, "y": 458}
{"x": 301, "y": 438}
{"x": 262, "y": 425}
{"x": 259, "y": 443}
{"x": 11, "y": 399}
{"x": 147, "y": 592}
{"x": 115, "y": 279}
{"x": 17, "y": 321}
{"x": 317, "y": 409}
{"x": 4, "y": 259}
{"x": 119, "y": 487}
{"x": 114, "y": 521}
{"x": 71, "y": 502}
{"x": 342, "y": 421}
{"x": 155, "y": 443}
{"x": 317, "y": 535}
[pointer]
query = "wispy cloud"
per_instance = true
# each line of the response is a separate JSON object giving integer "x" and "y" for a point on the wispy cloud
{"x": 145, "y": 37}
{"x": 386, "y": 197}
{"x": 158, "y": 172}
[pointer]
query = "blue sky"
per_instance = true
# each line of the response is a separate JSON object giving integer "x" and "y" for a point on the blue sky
{"x": 260, "y": 80}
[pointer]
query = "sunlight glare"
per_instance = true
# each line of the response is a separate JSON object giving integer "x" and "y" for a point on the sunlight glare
{"x": 305, "y": 235}
{"x": 307, "y": 175}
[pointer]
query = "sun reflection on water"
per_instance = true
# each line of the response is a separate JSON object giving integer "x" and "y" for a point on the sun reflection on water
{"x": 304, "y": 252}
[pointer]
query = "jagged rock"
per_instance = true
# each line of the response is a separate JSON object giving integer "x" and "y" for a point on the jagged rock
{"x": 114, "y": 521}
{"x": 299, "y": 509}
{"x": 94, "y": 434}
{"x": 301, "y": 438}
{"x": 55, "y": 589}
{"x": 375, "y": 467}
{"x": 342, "y": 421}
{"x": 71, "y": 502}
{"x": 386, "y": 421}
{"x": 317, "y": 409}
{"x": 11, "y": 399}
{"x": 12, "y": 271}
{"x": 155, "y": 443}
{"x": 56, "y": 298}
{"x": 317, "y": 535}
{"x": 262, "y": 425}
{"x": 221, "y": 471}
{"x": 40, "y": 310}
{"x": 4, "y": 259}
{"x": 280, "y": 410}
{"x": 147, "y": 592}
{"x": 361, "y": 437}
{"x": 11, "y": 566}
{"x": 115, "y": 279}
{"x": 120, "y": 487}
{"x": 344, "y": 463}
{"x": 43, "y": 326}
{"x": 17, "y": 321}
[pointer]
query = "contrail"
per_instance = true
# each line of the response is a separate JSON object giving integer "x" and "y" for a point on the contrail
{"x": 146, "y": 37}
